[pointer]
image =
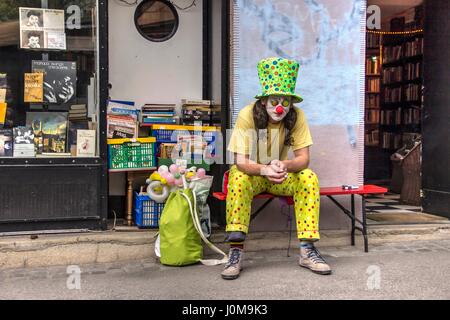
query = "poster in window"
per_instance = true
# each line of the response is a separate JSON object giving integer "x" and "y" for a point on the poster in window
{"x": 56, "y": 40}
{"x": 31, "y": 19}
{"x": 42, "y": 29}
{"x": 60, "y": 78}
{"x": 30, "y": 39}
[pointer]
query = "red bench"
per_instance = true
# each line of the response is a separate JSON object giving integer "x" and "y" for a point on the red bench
{"x": 329, "y": 192}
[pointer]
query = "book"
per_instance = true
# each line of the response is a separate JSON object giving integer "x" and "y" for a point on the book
{"x": 78, "y": 107}
{"x": 130, "y": 103}
{"x": 6, "y": 142}
{"x": 74, "y": 126}
{"x": 50, "y": 131}
{"x": 3, "y": 87}
{"x": 60, "y": 79}
{"x": 122, "y": 108}
{"x": 160, "y": 114}
{"x": 158, "y": 120}
{"x": 86, "y": 143}
{"x": 23, "y": 142}
{"x": 198, "y": 102}
{"x": 34, "y": 87}
{"x": 124, "y": 124}
{"x": 3, "y": 107}
{"x": 122, "y": 132}
{"x": 3, "y": 82}
{"x": 78, "y": 112}
{"x": 151, "y": 106}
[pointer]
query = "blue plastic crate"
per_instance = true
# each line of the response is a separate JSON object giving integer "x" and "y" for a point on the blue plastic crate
{"x": 170, "y": 136}
{"x": 166, "y": 135}
{"x": 146, "y": 211}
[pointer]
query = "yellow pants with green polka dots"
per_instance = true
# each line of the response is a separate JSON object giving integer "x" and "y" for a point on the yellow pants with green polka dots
{"x": 303, "y": 186}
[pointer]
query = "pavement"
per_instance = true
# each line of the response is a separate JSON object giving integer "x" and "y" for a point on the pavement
{"x": 401, "y": 270}
{"x": 127, "y": 244}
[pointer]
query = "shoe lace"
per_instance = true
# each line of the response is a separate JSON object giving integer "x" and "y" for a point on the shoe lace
{"x": 313, "y": 254}
{"x": 235, "y": 255}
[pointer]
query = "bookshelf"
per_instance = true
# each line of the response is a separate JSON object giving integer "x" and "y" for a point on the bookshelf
{"x": 372, "y": 96}
{"x": 393, "y": 105}
{"x": 401, "y": 89}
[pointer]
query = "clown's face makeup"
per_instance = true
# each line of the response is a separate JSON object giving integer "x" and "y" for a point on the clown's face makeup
{"x": 278, "y": 107}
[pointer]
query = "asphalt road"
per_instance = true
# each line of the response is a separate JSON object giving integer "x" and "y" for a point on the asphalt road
{"x": 413, "y": 270}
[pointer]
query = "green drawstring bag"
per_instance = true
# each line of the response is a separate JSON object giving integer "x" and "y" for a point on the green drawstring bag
{"x": 180, "y": 243}
{"x": 180, "y": 232}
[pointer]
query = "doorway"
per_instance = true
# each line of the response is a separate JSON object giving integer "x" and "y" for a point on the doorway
{"x": 393, "y": 113}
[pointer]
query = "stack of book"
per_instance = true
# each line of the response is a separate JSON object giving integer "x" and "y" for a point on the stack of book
{"x": 78, "y": 112}
{"x": 204, "y": 111}
{"x": 122, "y": 117}
{"x": 158, "y": 114}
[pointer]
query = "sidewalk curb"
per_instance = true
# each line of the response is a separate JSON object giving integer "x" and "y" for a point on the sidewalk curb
{"x": 113, "y": 246}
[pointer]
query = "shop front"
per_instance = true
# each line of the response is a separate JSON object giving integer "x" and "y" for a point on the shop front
{"x": 59, "y": 66}
{"x": 53, "y": 92}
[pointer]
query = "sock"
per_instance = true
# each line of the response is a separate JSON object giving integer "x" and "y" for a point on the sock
{"x": 306, "y": 244}
{"x": 239, "y": 245}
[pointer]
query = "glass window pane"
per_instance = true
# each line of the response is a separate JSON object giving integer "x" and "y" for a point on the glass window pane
{"x": 48, "y": 78}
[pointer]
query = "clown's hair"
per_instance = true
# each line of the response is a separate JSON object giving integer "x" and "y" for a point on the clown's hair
{"x": 261, "y": 120}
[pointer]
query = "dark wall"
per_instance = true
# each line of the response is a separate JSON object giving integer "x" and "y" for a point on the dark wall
{"x": 436, "y": 115}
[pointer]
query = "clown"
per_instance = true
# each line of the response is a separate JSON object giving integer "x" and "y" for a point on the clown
{"x": 271, "y": 127}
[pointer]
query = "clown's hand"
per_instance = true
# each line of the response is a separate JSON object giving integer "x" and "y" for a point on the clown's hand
{"x": 279, "y": 164}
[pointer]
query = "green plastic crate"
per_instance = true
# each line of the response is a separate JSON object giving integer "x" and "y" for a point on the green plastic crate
{"x": 131, "y": 153}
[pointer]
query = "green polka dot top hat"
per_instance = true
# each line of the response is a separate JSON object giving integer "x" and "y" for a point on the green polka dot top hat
{"x": 278, "y": 76}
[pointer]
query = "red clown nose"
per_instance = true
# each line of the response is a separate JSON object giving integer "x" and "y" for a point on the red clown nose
{"x": 279, "y": 110}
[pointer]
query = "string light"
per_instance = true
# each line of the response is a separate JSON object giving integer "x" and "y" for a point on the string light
{"x": 395, "y": 32}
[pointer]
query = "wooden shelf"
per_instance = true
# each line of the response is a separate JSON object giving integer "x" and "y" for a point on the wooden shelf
{"x": 401, "y": 104}
{"x": 401, "y": 83}
{"x": 402, "y": 60}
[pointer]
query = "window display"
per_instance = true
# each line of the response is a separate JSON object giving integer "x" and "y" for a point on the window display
{"x": 48, "y": 78}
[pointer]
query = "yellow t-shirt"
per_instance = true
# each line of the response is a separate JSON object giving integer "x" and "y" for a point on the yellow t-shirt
{"x": 244, "y": 138}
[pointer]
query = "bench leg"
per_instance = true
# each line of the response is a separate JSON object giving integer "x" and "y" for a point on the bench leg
{"x": 364, "y": 224}
{"x": 353, "y": 219}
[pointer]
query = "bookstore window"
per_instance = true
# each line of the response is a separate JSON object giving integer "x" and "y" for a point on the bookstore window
{"x": 48, "y": 79}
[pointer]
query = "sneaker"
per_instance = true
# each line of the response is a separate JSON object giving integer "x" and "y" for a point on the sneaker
{"x": 311, "y": 259}
{"x": 234, "y": 265}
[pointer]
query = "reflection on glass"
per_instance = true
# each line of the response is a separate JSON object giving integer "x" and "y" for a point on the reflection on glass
{"x": 156, "y": 20}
